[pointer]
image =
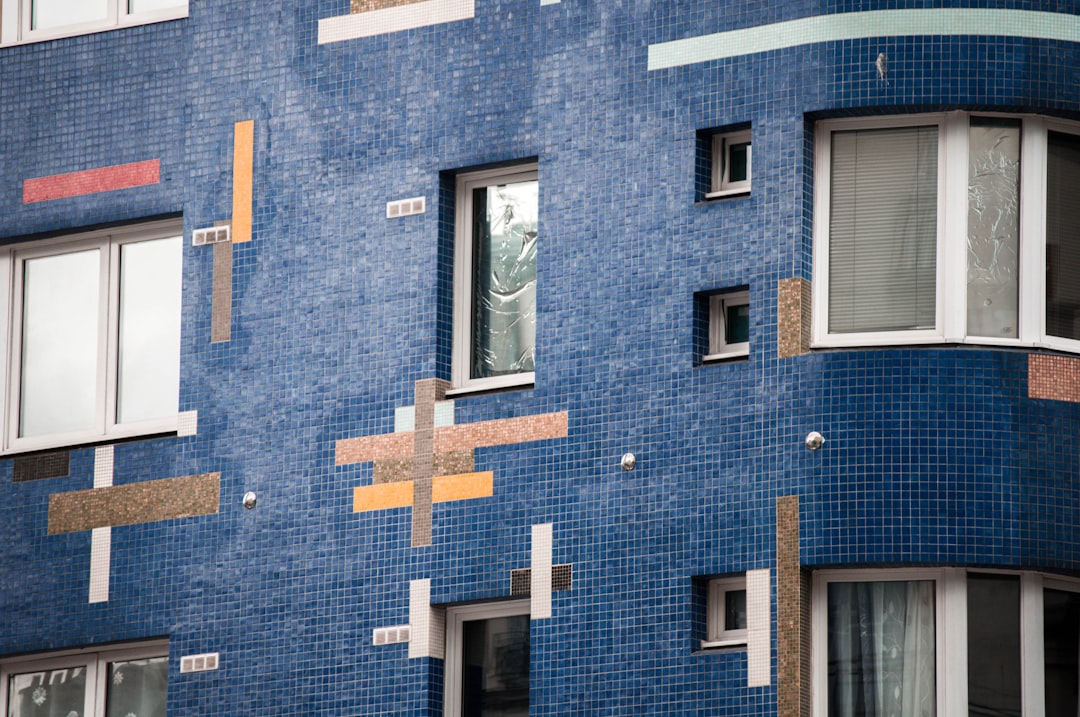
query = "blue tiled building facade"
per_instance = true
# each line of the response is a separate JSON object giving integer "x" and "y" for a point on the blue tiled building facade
{"x": 540, "y": 357}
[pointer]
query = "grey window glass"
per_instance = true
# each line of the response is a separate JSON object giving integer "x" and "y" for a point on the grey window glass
{"x": 737, "y": 323}
{"x": 993, "y": 228}
{"x": 1063, "y": 236}
{"x": 504, "y": 279}
{"x": 735, "y": 610}
{"x": 495, "y": 667}
{"x": 994, "y": 670}
{"x": 883, "y": 230}
{"x": 137, "y": 687}
{"x": 1061, "y": 649}
{"x": 739, "y": 159}
{"x": 49, "y": 14}
{"x": 151, "y": 5}
{"x": 60, "y": 334}
{"x": 51, "y": 692}
{"x": 882, "y": 649}
{"x": 148, "y": 378}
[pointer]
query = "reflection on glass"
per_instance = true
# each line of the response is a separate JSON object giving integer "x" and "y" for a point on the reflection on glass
{"x": 61, "y": 296}
{"x": 993, "y": 228}
{"x": 51, "y": 692}
{"x": 137, "y": 687}
{"x": 993, "y": 644}
{"x": 495, "y": 667}
{"x": 48, "y": 14}
{"x": 737, "y": 324}
{"x": 504, "y": 279}
{"x": 149, "y": 356}
{"x": 881, "y": 649}
{"x": 1063, "y": 236}
{"x": 151, "y": 5}
{"x": 735, "y": 610}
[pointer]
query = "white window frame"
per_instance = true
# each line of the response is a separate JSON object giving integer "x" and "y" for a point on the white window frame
{"x": 461, "y": 360}
{"x": 722, "y": 186}
{"x": 717, "y": 632}
{"x": 951, "y": 270}
{"x": 15, "y": 18}
{"x": 94, "y": 660}
{"x": 455, "y": 619}
{"x": 719, "y": 348}
{"x": 950, "y": 631}
{"x": 106, "y": 428}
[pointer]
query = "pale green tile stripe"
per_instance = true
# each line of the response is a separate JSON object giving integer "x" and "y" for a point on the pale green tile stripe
{"x": 859, "y": 25}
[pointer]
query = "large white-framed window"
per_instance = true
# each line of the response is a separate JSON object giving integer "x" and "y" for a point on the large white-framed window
{"x": 945, "y": 641}
{"x": 947, "y": 227}
{"x": 495, "y": 245}
{"x": 93, "y": 341}
{"x": 24, "y": 21}
{"x": 115, "y": 681}
{"x": 487, "y": 660}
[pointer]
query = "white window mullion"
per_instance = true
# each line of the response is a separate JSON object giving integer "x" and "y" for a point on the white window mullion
{"x": 1031, "y": 645}
{"x": 952, "y": 644}
{"x": 1033, "y": 230}
{"x": 95, "y": 689}
{"x": 953, "y": 230}
{"x": 108, "y": 339}
{"x": 9, "y": 21}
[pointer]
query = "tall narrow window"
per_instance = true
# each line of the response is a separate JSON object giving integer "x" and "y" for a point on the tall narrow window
{"x": 994, "y": 670}
{"x": 1063, "y": 236}
{"x": 487, "y": 660}
{"x": 1061, "y": 644}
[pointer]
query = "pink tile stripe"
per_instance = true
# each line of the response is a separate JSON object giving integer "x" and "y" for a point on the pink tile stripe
{"x": 91, "y": 181}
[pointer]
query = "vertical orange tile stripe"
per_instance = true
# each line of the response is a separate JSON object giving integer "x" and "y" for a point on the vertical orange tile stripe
{"x": 443, "y": 489}
{"x": 243, "y": 154}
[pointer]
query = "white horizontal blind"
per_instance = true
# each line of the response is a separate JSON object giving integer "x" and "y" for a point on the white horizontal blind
{"x": 883, "y": 230}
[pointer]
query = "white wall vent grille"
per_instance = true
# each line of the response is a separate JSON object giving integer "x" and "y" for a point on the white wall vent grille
{"x": 199, "y": 663}
{"x": 405, "y": 207}
{"x": 390, "y": 635}
{"x": 210, "y": 235}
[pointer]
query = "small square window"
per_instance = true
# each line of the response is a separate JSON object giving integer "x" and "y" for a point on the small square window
{"x": 731, "y": 164}
{"x": 726, "y": 618}
{"x": 729, "y": 326}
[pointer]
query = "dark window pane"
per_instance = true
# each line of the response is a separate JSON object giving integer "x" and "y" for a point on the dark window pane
{"x": 137, "y": 687}
{"x": 735, "y": 610}
{"x": 993, "y": 645}
{"x": 739, "y": 162}
{"x": 495, "y": 667}
{"x": 737, "y": 324}
{"x": 1062, "y": 236}
{"x": 1061, "y": 640}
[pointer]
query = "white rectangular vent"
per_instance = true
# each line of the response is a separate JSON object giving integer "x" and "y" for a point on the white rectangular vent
{"x": 210, "y": 235}
{"x": 199, "y": 663}
{"x": 390, "y": 635}
{"x": 405, "y": 207}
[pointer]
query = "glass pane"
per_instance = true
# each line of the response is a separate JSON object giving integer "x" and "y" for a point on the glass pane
{"x": 135, "y": 6}
{"x": 1061, "y": 641}
{"x": 60, "y": 315}
{"x": 881, "y": 649}
{"x": 993, "y": 644}
{"x": 993, "y": 228}
{"x": 739, "y": 162}
{"x": 52, "y": 693}
{"x": 137, "y": 688}
{"x": 495, "y": 667}
{"x": 149, "y": 356}
{"x": 1063, "y": 236}
{"x": 504, "y": 278}
{"x": 59, "y": 13}
{"x": 737, "y": 324}
{"x": 883, "y": 230}
{"x": 735, "y": 610}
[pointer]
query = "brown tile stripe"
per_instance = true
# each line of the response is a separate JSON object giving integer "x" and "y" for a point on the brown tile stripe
{"x": 793, "y": 317}
{"x": 221, "y": 299}
{"x": 562, "y": 578}
{"x": 792, "y": 615}
{"x": 499, "y": 432}
{"x": 1054, "y": 377}
{"x": 401, "y": 469}
{"x": 357, "y": 6}
{"x": 427, "y": 392}
{"x": 41, "y": 465}
{"x": 145, "y": 502}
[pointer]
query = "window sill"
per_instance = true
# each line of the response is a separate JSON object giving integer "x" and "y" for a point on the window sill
{"x": 94, "y": 28}
{"x": 514, "y": 382}
{"x": 710, "y": 645}
{"x": 734, "y": 192}
{"x": 726, "y": 356}
{"x": 71, "y": 443}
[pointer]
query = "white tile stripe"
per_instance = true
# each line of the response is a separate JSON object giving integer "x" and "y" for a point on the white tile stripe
{"x": 540, "y": 575}
{"x": 860, "y": 25}
{"x": 101, "y": 538}
{"x": 393, "y": 19}
{"x": 758, "y": 642}
{"x": 427, "y": 625}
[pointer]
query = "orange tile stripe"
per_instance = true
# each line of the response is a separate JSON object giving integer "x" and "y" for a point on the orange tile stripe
{"x": 1054, "y": 377}
{"x": 243, "y": 157}
{"x": 500, "y": 432}
{"x": 443, "y": 489}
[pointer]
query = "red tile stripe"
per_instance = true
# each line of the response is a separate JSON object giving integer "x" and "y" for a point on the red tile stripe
{"x": 91, "y": 181}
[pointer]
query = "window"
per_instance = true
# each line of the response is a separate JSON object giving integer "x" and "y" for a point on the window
{"x": 726, "y": 617}
{"x": 947, "y": 228}
{"x": 729, "y": 326}
{"x": 495, "y": 278}
{"x": 487, "y": 660}
{"x": 945, "y": 641}
{"x": 730, "y": 164}
{"x": 113, "y": 682}
{"x": 35, "y": 20}
{"x": 94, "y": 340}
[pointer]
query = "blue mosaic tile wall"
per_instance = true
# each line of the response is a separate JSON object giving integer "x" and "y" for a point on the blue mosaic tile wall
{"x": 933, "y": 456}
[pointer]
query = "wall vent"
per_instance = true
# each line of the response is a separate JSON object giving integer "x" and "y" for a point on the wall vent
{"x": 210, "y": 235}
{"x": 390, "y": 635}
{"x": 562, "y": 578}
{"x": 199, "y": 663}
{"x": 405, "y": 207}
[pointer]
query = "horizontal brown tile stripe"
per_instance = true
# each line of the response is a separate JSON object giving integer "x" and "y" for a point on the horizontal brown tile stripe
{"x": 1054, "y": 377}
{"x": 41, "y": 465}
{"x": 444, "y": 464}
{"x": 374, "y": 448}
{"x": 358, "y": 6}
{"x": 145, "y": 502}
